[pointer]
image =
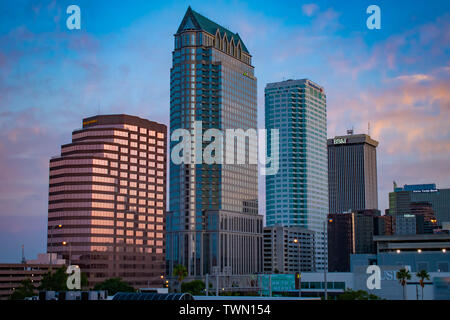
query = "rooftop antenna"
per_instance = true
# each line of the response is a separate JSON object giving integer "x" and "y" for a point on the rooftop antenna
{"x": 23, "y": 255}
{"x": 368, "y": 128}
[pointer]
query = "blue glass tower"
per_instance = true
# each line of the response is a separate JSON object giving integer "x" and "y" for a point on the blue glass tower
{"x": 298, "y": 194}
{"x": 213, "y": 223}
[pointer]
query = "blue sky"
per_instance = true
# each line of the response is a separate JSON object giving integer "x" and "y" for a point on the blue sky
{"x": 396, "y": 78}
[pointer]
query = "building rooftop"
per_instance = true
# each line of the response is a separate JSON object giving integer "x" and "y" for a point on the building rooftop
{"x": 202, "y": 23}
{"x": 413, "y": 237}
{"x": 352, "y": 139}
{"x": 291, "y": 82}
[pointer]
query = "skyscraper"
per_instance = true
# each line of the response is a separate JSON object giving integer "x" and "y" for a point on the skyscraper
{"x": 213, "y": 222}
{"x": 298, "y": 194}
{"x": 107, "y": 193}
{"x": 352, "y": 173}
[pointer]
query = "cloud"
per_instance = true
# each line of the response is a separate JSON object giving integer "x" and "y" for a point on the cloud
{"x": 310, "y": 9}
{"x": 414, "y": 78}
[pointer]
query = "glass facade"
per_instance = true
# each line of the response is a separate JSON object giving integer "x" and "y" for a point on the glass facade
{"x": 298, "y": 194}
{"x": 212, "y": 87}
{"x": 107, "y": 191}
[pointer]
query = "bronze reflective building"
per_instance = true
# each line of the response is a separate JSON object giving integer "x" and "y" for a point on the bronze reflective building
{"x": 107, "y": 198}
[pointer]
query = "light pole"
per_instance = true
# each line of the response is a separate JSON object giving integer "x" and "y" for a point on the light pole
{"x": 65, "y": 243}
{"x": 51, "y": 242}
{"x": 299, "y": 267}
{"x": 325, "y": 257}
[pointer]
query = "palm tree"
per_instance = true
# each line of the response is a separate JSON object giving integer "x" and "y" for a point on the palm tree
{"x": 403, "y": 275}
{"x": 181, "y": 273}
{"x": 423, "y": 274}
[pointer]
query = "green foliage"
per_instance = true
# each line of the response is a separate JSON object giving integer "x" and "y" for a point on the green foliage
{"x": 422, "y": 275}
{"x": 57, "y": 280}
{"x": 180, "y": 271}
{"x": 114, "y": 285}
{"x": 350, "y": 294}
{"x": 403, "y": 275}
{"x": 195, "y": 287}
{"x": 26, "y": 289}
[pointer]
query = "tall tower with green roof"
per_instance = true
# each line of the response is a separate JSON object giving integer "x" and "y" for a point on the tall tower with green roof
{"x": 213, "y": 223}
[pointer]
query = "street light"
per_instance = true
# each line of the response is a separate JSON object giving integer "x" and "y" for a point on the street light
{"x": 65, "y": 243}
{"x": 444, "y": 250}
{"x": 299, "y": 267}
{"x": 398, "y": 250}
{"x": 419, "y": 250}
{"x": 51, "y": 242}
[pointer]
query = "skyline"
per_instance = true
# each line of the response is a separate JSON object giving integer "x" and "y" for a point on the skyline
{"x": 107, "y": 68}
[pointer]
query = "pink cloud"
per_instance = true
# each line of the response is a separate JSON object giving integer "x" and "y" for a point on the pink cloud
{"x": 310, "y": 9}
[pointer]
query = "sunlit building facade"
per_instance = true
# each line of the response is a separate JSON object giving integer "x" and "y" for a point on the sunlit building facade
{"x": 107, "y": 193}
{"x": 213, "y": 223}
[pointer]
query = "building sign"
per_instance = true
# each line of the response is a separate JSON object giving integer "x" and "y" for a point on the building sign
{"x": 90, "y": 122}
{"x": 340, "y": 141}
{"x": 278, "y": 283}
{"x": 245, "y": 74}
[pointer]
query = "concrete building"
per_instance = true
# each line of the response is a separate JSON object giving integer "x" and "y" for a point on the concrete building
{"x": 107, "y": 198}
{"x": 298, "y": 194}
{"x": 213, "y": 222}
{"x": 352, "y": 173}
{"x": 413, "y": 243}
{"x": 12, "y": 274}
{"x": 436, "y": 263}
{"x": 288, "y": 250}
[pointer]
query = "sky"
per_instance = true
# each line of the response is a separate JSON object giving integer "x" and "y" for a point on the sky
{"x": 396, "y": 78}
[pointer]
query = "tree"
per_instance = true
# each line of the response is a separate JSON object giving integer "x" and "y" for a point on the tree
{"x": 57, "y": 280}
{"x": 26, "y": 289}
{"x": 195, "y": 287}
{"x": 350, "y": 294}
{"x": 402, "y": 275}
{"x": 180, "y": 272}
{"x": 423, "y": 274}
{"x": 114, "y": 285}
{"x": 54, "y": 281}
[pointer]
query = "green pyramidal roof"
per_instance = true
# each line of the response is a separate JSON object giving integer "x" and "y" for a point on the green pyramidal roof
{"x": 203, "y": 23}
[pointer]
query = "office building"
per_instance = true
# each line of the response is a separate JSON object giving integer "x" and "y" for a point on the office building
{"x": 288, "y": 250}
{"x": 352, "y": 173}
{"x": 107, "y": 198}
{"x": 298, "y": 194}
{"x": 351, "y": 233}
{"x": 383, "y": 225}
{"x": 213, "y": 224}
{"x": 401, "y": 199}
